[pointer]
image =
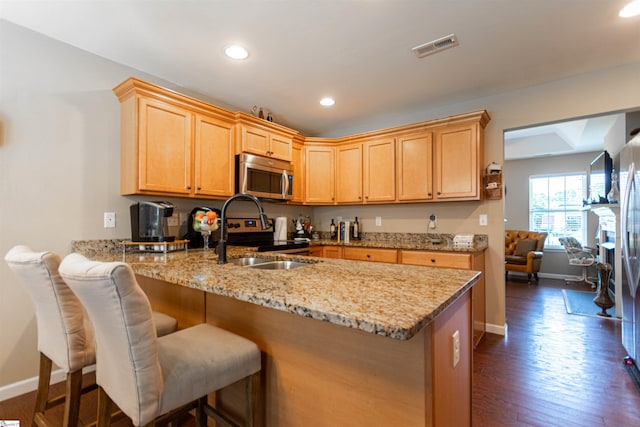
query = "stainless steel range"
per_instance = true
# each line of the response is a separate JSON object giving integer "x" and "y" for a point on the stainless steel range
{"x": 248, "y": 232}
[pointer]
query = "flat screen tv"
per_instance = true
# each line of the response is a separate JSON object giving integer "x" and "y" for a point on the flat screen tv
{"x": 600, "y": 178}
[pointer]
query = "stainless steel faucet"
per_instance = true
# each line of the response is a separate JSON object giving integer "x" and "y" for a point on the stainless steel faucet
{"x": 222, "y": 244}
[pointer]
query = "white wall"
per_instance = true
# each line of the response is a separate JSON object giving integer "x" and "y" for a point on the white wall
{"x": 59, "y": 151}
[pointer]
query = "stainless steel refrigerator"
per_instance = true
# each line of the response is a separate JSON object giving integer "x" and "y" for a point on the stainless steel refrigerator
{"x": 630, "y": 239}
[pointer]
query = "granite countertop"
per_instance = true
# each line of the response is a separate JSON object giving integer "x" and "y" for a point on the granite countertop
{"x": 412, "y": 241}
{"x": 444, "y": 245}
{"x": 390, "y": 300}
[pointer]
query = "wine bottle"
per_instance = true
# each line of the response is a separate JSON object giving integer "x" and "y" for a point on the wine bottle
{"x": 356, "y": 230}
{"x": 332, "y": 230}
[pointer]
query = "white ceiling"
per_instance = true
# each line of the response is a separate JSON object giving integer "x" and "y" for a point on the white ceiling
{"x": 358, "y": 51}
{"x": 569, "y": 137}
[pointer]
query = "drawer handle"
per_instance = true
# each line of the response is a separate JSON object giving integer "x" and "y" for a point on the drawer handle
{"x": 368, "y": 255}
{"x": 433, "y": 260}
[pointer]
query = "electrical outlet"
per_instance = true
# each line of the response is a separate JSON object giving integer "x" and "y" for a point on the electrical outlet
{"x": 432, "y": 221}
{"x": 455, "y": 347}
{"x": 483, "y": 219}
{"x": 109, "y": 220}
{"x": 378, "y": 221}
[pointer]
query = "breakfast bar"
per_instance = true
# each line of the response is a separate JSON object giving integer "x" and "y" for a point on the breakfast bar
{"x": 344, "y": 342}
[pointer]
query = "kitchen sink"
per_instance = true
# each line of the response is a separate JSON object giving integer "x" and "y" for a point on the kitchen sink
{"x": 248, "y": 261}
{"x": 279, "y": 265}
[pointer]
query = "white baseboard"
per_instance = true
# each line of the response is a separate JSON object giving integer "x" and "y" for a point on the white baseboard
{"x": 30, "y": 384}
{"x": 496, "y": 329}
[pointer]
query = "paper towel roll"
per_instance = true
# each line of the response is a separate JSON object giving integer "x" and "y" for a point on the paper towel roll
{"x": 280, "y": 228}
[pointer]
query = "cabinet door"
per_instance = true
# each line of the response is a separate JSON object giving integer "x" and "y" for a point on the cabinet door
{"x": 414, "y": 159}
{"x": 379, "y": 178}
{"x": 457, "y": 163}
{"x": 255, "y": 141}
{"x": 316, "y": 251}
{"x": 280, "y": 147}
{"x": 349, "y": 174}
{"x": 319, "y": 182}
{"x": 298, "y": 172}
{"x": 213, "y": 160}
{"x": 164, "y": 148}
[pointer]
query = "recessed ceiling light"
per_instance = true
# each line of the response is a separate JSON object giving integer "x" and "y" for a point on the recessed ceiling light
{"x": 630, "y": 10}
{"x": 327, "y": 102}
{"x": 236, "y": 52}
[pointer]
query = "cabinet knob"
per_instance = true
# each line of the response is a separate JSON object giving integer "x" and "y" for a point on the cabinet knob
{"x": 433, "y": 260}
{"x": 368, "y": 255}
{"x": 199, "y": 188}
{"x": 188, "y": 187}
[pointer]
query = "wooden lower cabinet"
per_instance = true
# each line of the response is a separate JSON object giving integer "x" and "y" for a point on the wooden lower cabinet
{"x": 466, "y": 261}
{"x": 370, "y": 254}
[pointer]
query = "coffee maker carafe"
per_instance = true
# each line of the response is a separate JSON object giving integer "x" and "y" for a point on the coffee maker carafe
{"x": 149, "y": 222}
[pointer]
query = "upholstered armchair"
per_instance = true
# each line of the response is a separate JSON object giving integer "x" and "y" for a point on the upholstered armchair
{"x": 523, "y": 252}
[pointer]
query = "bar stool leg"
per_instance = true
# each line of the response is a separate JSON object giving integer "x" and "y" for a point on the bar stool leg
{"x": 72, "y": 402}
{"x": 43, "y": 391}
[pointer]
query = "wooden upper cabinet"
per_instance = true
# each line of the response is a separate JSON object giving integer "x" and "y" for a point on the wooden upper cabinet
{"x": 349, "y": 173}
{"x": 297, "y": 161}
{"x": 319, "y": 185}
{"x": 258, "y": 136}
{"x": 414, "y": 166}
{"x": 458, "y": 162}
{"x": 164, "y": 144}
{"x": 379, "y": 175}
{"x": 173, "y": 145}
{"x": 213, "y": 160}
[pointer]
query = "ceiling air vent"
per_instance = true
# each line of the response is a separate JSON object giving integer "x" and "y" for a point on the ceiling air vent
{"x": 435, "y": 46}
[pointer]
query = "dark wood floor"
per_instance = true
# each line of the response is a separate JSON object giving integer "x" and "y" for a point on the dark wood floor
{"x": 552, "y": 369}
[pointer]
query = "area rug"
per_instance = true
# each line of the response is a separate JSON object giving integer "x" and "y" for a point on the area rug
{"x": 581, "y": 303}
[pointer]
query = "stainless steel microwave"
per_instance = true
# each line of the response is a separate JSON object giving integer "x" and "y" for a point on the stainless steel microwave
{"x": 264, "y": 177}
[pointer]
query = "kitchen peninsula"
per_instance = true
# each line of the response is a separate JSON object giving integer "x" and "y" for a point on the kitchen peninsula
{"x": 344, "y": 342}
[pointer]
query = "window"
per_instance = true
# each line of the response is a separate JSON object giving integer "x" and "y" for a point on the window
{"x": 555, "y": 206}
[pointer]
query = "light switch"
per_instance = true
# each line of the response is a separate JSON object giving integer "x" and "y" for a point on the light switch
{"x": 378, "y": 221}
{"x": 483, "y": 219}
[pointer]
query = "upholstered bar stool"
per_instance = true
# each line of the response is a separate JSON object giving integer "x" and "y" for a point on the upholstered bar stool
{"x": 154, "y": 379}
{"x": 65, "y": 335}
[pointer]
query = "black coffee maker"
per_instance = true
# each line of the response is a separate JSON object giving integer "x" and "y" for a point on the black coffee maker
{"x": 195, "y": 237}
{"x": 149, "y": 222}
